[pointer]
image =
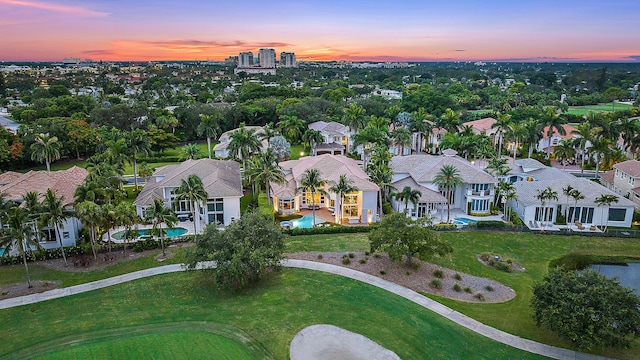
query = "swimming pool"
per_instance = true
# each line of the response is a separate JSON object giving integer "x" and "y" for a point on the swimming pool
{"x": 178, "y": 231}
{"x": 464, "y": 221}
{"x": 1, "y": 251}
{"x": 306, "y": 222}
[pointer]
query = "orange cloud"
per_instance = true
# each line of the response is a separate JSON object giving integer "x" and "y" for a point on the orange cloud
{"x": 55, "y": 7}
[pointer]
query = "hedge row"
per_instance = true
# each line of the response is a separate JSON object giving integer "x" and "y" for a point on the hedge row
{"x": 330, "y": 230}
{"x": 39, "y": 255}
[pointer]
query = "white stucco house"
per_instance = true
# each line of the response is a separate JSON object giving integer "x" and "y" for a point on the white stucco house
{"x": 220, "y": 149}
{"x": 63, "y": 183}
{"x": 530, "y": 177}
{"x": 358, "y": 207}
{"x": 556, "y": 137}
{"x": 474, "y": 197}
{"x": 221, "y": 180}
{"x": 336, "y": 138}
{"x": 624, "y": 180}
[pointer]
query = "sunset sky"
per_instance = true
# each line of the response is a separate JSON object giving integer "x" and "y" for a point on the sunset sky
{"x": 526, "y": 30}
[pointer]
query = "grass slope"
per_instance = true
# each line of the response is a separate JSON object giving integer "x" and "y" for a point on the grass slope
{"x": 584, "y": 110}
{"x": 271, "y": 313}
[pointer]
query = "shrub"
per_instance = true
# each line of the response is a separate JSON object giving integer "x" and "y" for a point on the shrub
{"x": 320, "y": 256}
{"x": 445, "y": 227}
{"x": 438, "y": 273}
{"x": 468, "y": 290}
{"x": 479, "y": 296}
{"x": 488, "y": 288}
{"x": 501, "y": 264}
{"x": 352, "y": 255}
{"x": 376, "y": 255}
{"x": 490, "y": 224}
{"x": 485, "y": 256}
{"x": 457, "y": 287}
{"x": 148, "y": 244}
{"x": 387, "y": 208}
{"x": 263, "y": 206}
{"x": 415, "y": 266}
{"x": 436, "y": 284}
{"x": 330, "y": 230}
{"x": 363, "y": 261}
{"x": 457, "y": 276}
{"x": 382, "y": 272}
{"x": 346, "y": 260}
{"x": 408, "y": 272}
{"x": 572, "y": 261}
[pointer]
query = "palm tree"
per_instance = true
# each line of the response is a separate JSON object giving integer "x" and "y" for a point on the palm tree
{"x": 243, "y": 143}
{"x": 292, "y": 127}
{"x": 116, "y": 154}
{"x": 5, "y": 205}
{"x": 90, "y": 190}
{"x": 449, "y": 121}
{"x": 312, "y": 137}
{"x": 576, "y": 195}
{"x": 159, "y": 214}
{"x": 606, "y": 200}
{"x": 401, "y": 137}
{"x": 189, "y": 151}
{"x": 45, "y": 149}
{"x": 31, "y": 203}
{"x": 422, "y": 126}
{"x": 354, "y": 116}
{"x": 545, "y": 195}
{"x": 553, "y": 121}
{"x": 341, "y": 188}
{"x": 448, "y": 177}
{"x": 502, "y": 125}
{"x": 516, "y": 132}
{"x": 629, "y": 129}
{"x": 600, "y": 147}
{"x": 381, "y": 175}
{"x": 55, "y": 214}
{"x": 564, "y": 151}
{"x": 311, "y": 182}
{"x": 268, "y": 171}
{"x": 408, "y": 195}
{"x": 90, "y": 214}
{"x": 533, "y": 133}
{"x": 125, "y": 215}
{"x": 192, "y": 190}
{"x": 269, "y": 131}
{"x": 209, "y": 128}
{"x": 108, "y": 220}
{"x": 137, "y": 142}
{"x": 567, "y": 191}
{"x": 585, "y": 135}
{"x": 19, "y": 234}
{"x": 510, "y": 195}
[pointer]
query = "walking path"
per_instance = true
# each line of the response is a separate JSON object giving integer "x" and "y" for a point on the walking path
{"x": 458, "y": 318}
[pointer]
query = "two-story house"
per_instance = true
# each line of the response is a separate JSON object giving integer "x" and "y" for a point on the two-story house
{"x": 624, "y": 180}
{"x": 419, "y": 172}
{"x": 336, "y": 138}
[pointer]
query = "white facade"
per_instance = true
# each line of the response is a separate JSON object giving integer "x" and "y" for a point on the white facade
{"x": 267, "y": 58}
{"x": 245, "y": 59}
{"x": 288, "y": 59}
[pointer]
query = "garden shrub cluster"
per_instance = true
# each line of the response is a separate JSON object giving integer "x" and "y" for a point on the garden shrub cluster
{"x": 330, "y": 230}
{"x": 264, "y": 207}
{"x": 148, "y": 244}
{"x": 44, "y": 254}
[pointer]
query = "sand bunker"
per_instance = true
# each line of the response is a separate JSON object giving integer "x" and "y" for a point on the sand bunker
{"x": 328, "y": 342}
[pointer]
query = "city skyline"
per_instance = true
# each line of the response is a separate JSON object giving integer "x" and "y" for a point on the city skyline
{"x": 496, "y": 30}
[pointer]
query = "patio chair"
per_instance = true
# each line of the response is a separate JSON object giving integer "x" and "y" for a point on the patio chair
{"x": 592, "y": 228}
{"x": 579, "y": 225}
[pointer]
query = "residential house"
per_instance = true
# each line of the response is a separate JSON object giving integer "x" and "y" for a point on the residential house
{"x": 530, "y": 177}
{"x": 474, "y": 197}
{"x": 336, "y": 138}
{"x": 221, "y": 180}
{"x": 63, "y": 183}
{"x": 428, "y": 142}
{"x": 358, "y": 207}
{"x": 484, "y": 127}
{"x": 220, "y": 149}
{"x": 556, "y": 137}
{"x": 624, "y": 180}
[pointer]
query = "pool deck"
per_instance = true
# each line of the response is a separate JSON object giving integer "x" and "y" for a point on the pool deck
{"x": 189, "y": 225}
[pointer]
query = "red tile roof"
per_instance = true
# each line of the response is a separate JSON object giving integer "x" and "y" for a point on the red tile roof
{"x": 568, "y": 129}
{"x": 63, "y": 183}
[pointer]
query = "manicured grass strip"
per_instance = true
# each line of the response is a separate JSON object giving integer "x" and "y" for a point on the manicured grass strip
{"x": 609, "y": 107}
{"x": 330, "y": 243}
{"x": 16, "y": 274}
{"x": 180, "y": 345}
{"x": 271, "y": 313}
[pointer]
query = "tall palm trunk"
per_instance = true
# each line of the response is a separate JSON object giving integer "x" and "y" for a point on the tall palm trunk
{"x": 582, "y": 156}
{"x": 448, "y": 204}
{"x": 209, "y": 146}
{"x": 531, "y": 149}
{"x": 93, "y": 242}
{"x": 381, "y": 213}
{"x": 135, "y": 172}
{"x": 313, "y": 208}
{"x": 64, "y": 257}
{"x": 161, "y": 238}
{"x": 26, "y": 267}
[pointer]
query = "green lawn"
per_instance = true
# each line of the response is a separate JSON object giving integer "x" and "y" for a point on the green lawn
{"x": 584, "y": 110}
{"x": 271, "y": 314}
{"x": 189, "y": 344}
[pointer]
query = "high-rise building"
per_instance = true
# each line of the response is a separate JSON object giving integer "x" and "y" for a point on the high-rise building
{"x": 288, "y": 59}
{"x": 245, "y": 59}
{"x": 267, "y": 58}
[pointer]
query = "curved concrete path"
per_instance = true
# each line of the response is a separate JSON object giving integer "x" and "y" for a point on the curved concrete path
{"x": 458, "y": 318}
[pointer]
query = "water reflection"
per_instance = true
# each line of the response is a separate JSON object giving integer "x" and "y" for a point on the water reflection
{"x": 628, "y": 276}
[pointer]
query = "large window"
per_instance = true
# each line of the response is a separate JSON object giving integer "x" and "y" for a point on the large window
{"x": 215, "y": 211}
{"x": 581, "y": 214}
{"x": 350, "y": 205}
{"x": 478, "y": 205}
{"x": 182, "y": 206}
{"x": 306, "y": 198}
{"x": 479, "y": 187}
{"x": 544, "y": 214}
{"x": 617, "y": 214}
{"x": 285, "y": 204}
{"x": 452, "y": 195}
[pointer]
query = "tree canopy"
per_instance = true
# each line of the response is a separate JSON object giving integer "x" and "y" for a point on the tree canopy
{"x": 587, "y": 308}
{"x": 244, "y": 251}
{"x": 400, "y": 236}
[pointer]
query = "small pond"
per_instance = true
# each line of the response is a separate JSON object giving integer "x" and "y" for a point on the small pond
{"x": 628, "y": 275}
